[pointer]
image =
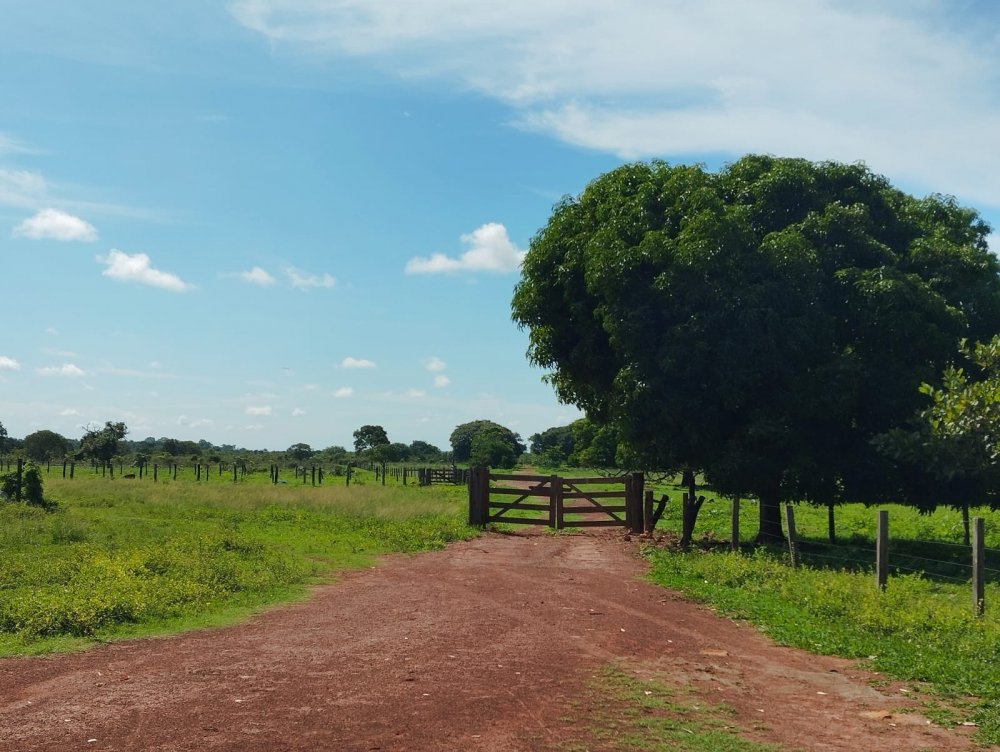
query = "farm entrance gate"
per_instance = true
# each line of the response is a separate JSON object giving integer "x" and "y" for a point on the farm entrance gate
{"x": 554, "y": 501}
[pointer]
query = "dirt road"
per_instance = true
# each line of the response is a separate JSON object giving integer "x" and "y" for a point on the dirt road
{"x": 488, "y": 645}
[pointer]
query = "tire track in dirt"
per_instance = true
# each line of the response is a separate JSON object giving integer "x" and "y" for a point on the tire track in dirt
{"x": 487, "y": 645}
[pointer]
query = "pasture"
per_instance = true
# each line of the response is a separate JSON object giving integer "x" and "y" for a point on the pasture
{"x": 128, "y": 558}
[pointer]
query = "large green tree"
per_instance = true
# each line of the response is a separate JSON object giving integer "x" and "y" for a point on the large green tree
{"x": 300, "y": 452}
{"x": 369, "y": 437}
{"x": 760, "y": 324}
{"x": 3, "y": 438}
{"x": 553, "y": 446}
{"x": 465, "y": 434}
{"x": 45, "y": 445}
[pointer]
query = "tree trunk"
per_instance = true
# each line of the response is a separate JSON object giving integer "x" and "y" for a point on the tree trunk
{"x": 965, "y": 525}
{"x": 770, "y": 519}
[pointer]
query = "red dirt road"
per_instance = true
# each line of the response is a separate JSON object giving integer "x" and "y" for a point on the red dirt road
{"x": 488, "y": 645}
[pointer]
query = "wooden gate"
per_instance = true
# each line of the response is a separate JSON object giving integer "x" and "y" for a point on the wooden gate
{"x": 555, "y": 501}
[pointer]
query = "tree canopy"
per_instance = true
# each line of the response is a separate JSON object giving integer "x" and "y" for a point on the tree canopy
{"x": 300, "y": 452}
{"x": 102, "y": 443}
{"x": 45, "y": 445}
{"x": 760, "y": 324}
{"x": 464, "y": 435}
{"x": 369, "y": 437}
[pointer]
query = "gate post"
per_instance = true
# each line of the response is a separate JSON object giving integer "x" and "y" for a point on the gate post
{"x": 555, "y": 503}
{"x": 634, "y": 483}
{"x": 479, "y": 495}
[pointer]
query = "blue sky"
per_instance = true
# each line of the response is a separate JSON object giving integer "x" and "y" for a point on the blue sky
{"x": 270, "y": 221}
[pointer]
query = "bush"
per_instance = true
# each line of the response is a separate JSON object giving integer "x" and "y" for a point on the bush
{"x": 28, "y": 488}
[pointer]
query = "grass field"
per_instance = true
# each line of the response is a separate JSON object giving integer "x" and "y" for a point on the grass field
{"x": 921, "y": 629}
{"x": 128, "y": 558}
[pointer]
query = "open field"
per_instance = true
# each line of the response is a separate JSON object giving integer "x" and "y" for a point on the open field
{"x": 126, "y": 558}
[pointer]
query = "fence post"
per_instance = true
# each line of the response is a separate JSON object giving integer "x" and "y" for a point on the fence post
{"x": 479, "y": 495}
{"x": 735, "y": 524}
{"x": 647, "y": 511}
{"x": 793, "y": 544}
{"x": 882, "y": 549}
{"x": 555, "y": 502}
{"x": 633, "y": 495}
{"x": 978, "y": 567}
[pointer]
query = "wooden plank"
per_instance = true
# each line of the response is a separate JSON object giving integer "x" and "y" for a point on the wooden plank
{"x": 520, "y": 520}
{"x": 520, "y": 492}
{"x": 533, "y": 478}
{"x": 594, "y": 495}
{"x": 584, "y": 481}
{"x": 592, "y": 510}
{"x": 529, "y": 507}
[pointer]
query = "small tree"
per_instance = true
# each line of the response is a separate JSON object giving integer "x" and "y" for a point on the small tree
{"x": 373, "y": 442}
{"x": 102, "y": 443}
{"x": 951, "y": 455}
{"x": 300, "y": 452}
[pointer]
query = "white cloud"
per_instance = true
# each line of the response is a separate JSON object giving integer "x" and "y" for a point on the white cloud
{"x": 9, "y": 364}
{"x": 915, "y": 98}
{"x": 257, "y": 276}
{"x": 305, "y": 280}
{"x": 183, "y": 420}
{"x": 66, "y": 369}
{"x": 416, "y": 393}
{"x": 138, "y": 268}
{"x": 344, "y": 391}
{"x": 56, "y": 225}
{"x": 298, "y": 412}
{"x": 69, "y": 411}
{"x": 350, "y": 362}
{"x": 441, "y": 381}
{"x": 22, "y": 188}
{"x": 52, "y": 331}
{"x": 434, "y": 364}
{"x": 490, "y": 250}
{"x": 258, "y": 410}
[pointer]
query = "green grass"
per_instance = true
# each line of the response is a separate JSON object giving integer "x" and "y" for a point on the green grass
{"x": 916, "y": 630}
{"x": 126, "y": 558}
{"x": 640, "y": 714}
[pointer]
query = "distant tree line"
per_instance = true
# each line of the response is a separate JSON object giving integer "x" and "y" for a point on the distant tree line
{"x": 480, "y": 441}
